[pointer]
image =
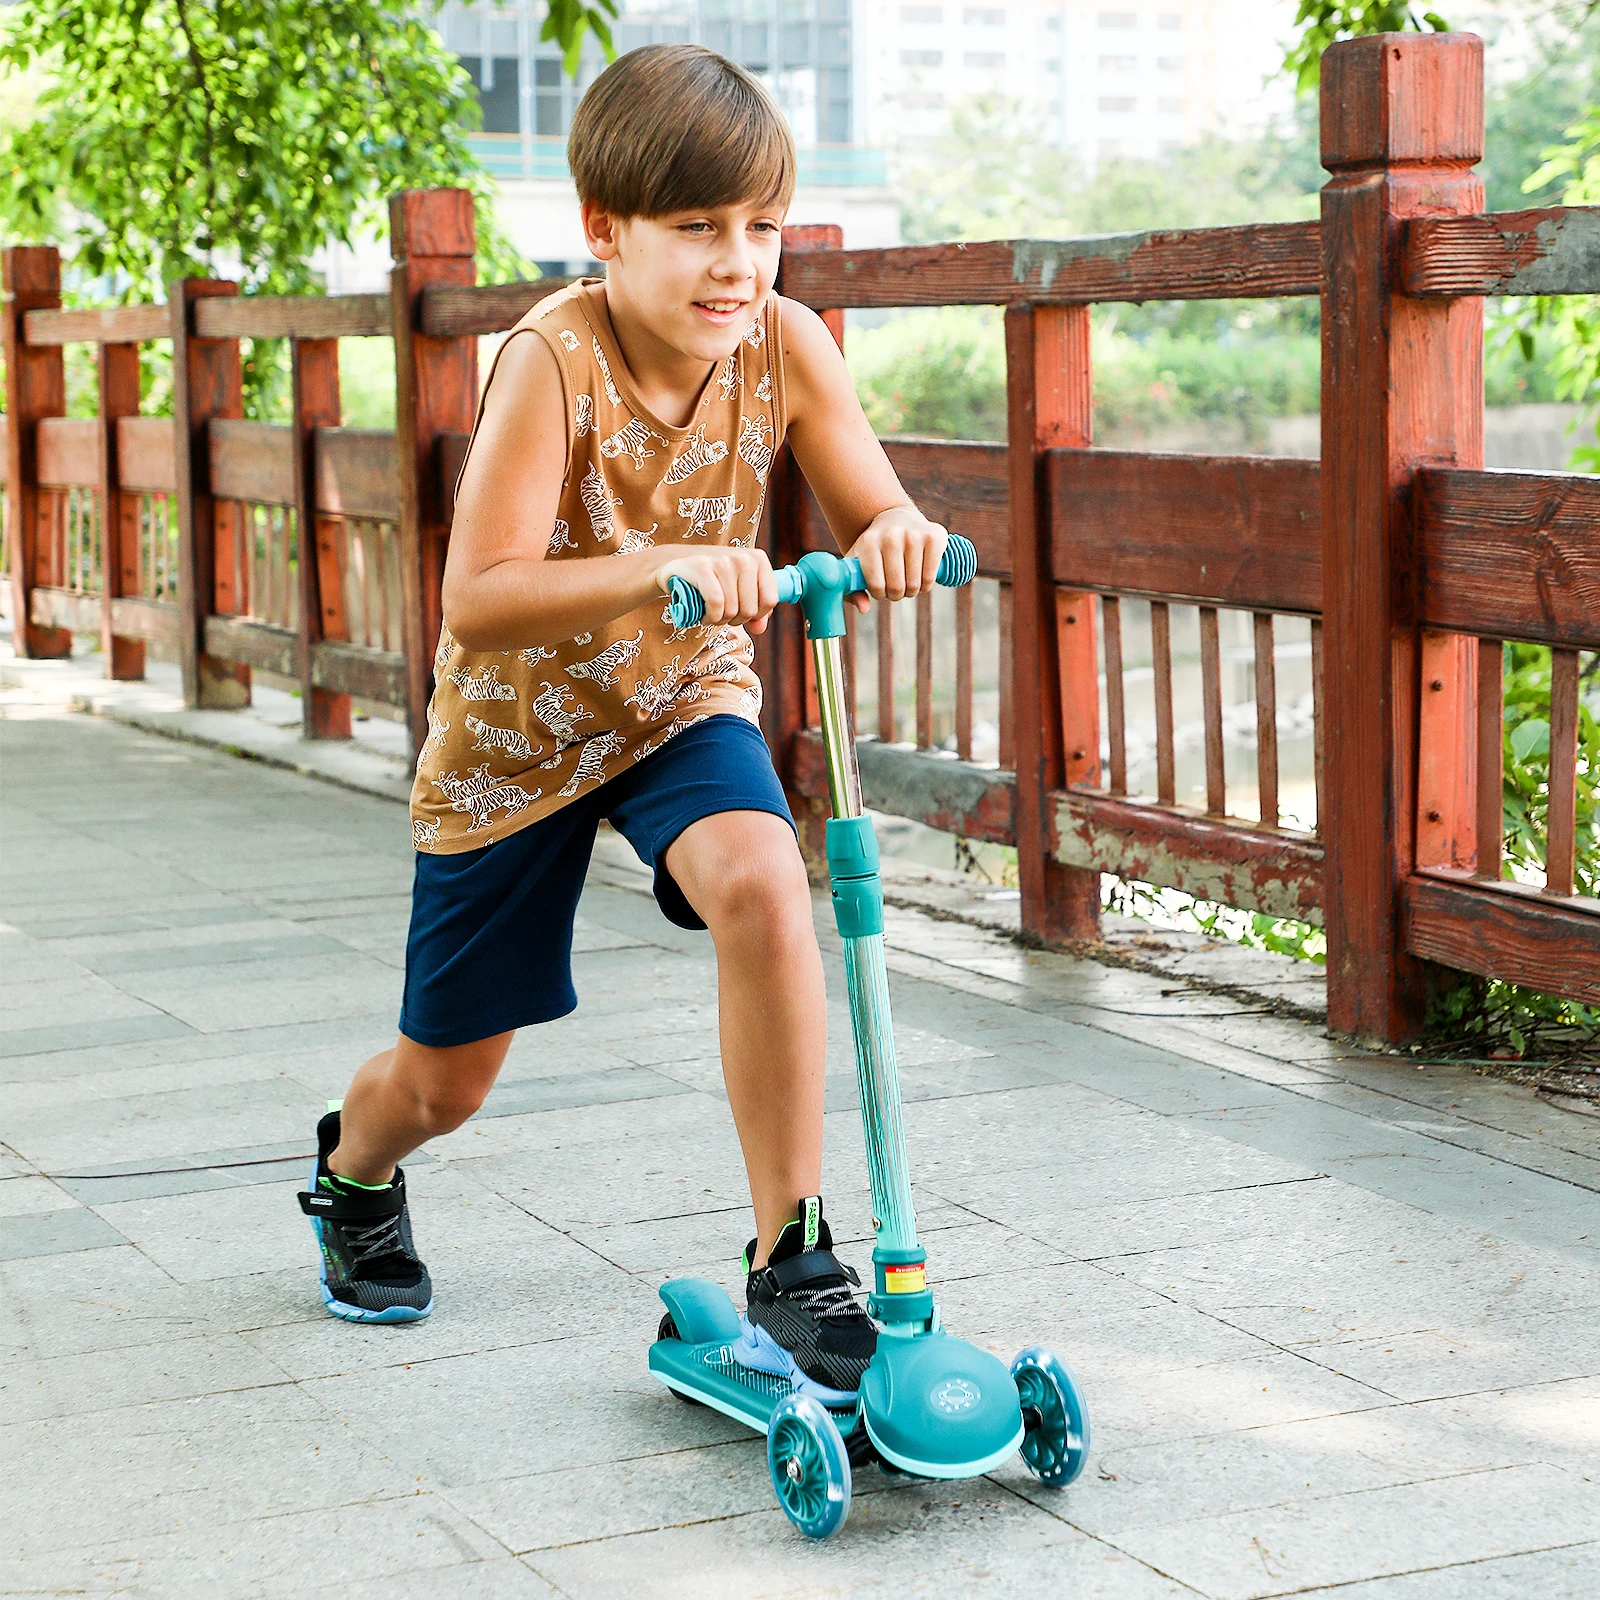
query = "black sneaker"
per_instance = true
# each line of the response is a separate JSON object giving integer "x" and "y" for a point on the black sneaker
{"x": 801, "y": 1321}
{"x": 370, "y": 1270}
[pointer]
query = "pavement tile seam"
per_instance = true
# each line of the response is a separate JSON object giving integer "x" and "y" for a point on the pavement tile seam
{"x": 1412, "y": 1572}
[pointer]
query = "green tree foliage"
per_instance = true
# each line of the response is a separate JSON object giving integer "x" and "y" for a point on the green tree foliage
{"x": 1325, "y": 22}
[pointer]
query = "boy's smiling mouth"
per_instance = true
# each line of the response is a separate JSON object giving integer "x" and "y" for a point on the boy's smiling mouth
{"x": 720, "y": 312}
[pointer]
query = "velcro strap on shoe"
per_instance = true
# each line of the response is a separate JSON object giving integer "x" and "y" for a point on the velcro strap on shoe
{"x": 806, "y": 1268}
{"x": 364, "y": 1205}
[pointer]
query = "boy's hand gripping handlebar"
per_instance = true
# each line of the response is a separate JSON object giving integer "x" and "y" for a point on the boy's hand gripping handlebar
{"x": 820, "y": 582}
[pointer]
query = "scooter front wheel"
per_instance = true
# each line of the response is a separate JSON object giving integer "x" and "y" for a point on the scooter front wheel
{"x": 809, "y": 1464}
{"x": 1056, "y": 1445}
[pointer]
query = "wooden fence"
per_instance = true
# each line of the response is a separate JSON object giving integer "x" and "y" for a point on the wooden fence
{"x": 1409, "y": 562}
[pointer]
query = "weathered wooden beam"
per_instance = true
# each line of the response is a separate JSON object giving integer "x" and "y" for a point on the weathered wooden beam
{"x": 207, "y": 387}
{"x": 1236, "y": 863}
{"x": 1402, "y": 384}
{"x": 98, "y": 325}
{"x": 36, "y": 389}
{"x": 117, "y": 370}
{"x": 342, "y": 668}
{"x": 1513, "y": 555}
{"x": 155, "y": 621}
{"x": 452, "y": 311}
{"x": 251, "y": 461}
{"x": 69, "y": 452}
{"x": 433, "y": 240}
{"x": 1224, "y": 530}
{"x": 1549, "y": 250}
{"x": 1260, "y": 260}
{"x": 927, "y": 786}
{"x": 145, "y": 454}
{"x": 357, "y": 473}
{"x": 1506, "y": 931}
{"x": 253, "y": 644}
{"x": 300, "y": 316}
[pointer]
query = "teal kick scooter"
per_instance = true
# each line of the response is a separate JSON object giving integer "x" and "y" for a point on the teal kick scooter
{"x": 930, "y": 1405}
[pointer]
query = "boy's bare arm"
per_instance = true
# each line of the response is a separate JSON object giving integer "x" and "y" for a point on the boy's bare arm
{"x": 499, "y": 591}
{"x": 871, "y": 516}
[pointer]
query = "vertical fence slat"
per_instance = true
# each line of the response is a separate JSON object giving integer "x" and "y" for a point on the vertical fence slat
{"x": 1080, "y": 686}
{"x": 1048, "y": 403}
{"x": 1402, "y": 385}
{"x": 1007, "y": 615}
{"x": 1317, "y": 720}
{"x": 207, "y": 382}
{"x": 1116, "y": 705}
{"x": 1161, "y": 656}
{"x": 118, "y": 370}
{"x": 433, "y": 239}
{"x": 964, "y": 672}
{"x": 316, "y": 402}
{"x": 1491, "y": 764}
{"x": 1211, "y": 700}
{"x": 1266, "y": 719}
{"x": 884, "y": 617}
{"x": 36, "y": 387}
{"x": 1561, "y": 826}
{"x": 925, "y": 670}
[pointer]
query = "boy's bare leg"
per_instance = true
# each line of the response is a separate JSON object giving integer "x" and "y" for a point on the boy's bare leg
{"x": 742, "y": 872}
{"x": 405, "y": 1096}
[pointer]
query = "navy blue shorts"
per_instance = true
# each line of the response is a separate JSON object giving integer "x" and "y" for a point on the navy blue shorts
{"x": 490, "y": 947}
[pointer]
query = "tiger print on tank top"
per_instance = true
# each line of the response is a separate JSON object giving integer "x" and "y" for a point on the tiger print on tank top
{"x": 514, "y": 735}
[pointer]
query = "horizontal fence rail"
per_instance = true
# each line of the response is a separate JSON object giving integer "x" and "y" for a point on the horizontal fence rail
{"x": 1148, "y": 633}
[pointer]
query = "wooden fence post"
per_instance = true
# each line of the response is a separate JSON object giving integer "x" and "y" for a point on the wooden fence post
{"x": 433, "y": 239}
{"x": 207, "y": 382}
{"x": 315, "y": 364}
{"x": 36, "y": 386}
{"x": 119, "y": 512}
{"x": 1402, "y": 384}
{"x": 1048, "y": 403}
{"x": 782, "y": 654}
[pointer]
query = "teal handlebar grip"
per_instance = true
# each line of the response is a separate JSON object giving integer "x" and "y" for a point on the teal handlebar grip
{"x": 826, "y": 580}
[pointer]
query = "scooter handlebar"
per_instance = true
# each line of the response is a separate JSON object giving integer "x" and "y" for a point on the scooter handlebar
{"x": 958, "y": 566}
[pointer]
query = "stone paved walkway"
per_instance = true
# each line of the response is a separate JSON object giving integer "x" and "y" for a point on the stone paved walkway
{"x": 1337, "y": 1319}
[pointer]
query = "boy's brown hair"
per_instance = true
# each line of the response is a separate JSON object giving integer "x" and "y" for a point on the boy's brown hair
{"x": 676, "y": 127}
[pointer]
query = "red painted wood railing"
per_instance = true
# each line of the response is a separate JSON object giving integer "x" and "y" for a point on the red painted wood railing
{"x": 313, "y": 552}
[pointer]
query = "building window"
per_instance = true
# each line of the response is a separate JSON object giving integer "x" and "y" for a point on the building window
{"x": 548, "y": 118}
{"x": 1118, "y": 63}
{"x": 1169, "y": 23}
{"x": 922, "y": 58}
{"x": 1116, "y": 104}
{"x": 1169, "y": 105}
{"x": 499, "y": 102}
{"x": 1119, "y": 19}
{"x": 984, "y": 60}
{"x": 924, "y": 15}
{"x": 984, "y": 16}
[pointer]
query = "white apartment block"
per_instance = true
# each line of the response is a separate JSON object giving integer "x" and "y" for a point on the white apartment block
{"x": 1103, "y": 78}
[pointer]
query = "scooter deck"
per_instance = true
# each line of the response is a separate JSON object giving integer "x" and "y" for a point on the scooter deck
{"x": 708, "y": 1373}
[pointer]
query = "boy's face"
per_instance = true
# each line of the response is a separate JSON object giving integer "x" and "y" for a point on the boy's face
{"x": 695, "y": 279}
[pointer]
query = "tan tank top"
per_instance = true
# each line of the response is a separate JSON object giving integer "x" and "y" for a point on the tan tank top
{"x": 516, "y": 734}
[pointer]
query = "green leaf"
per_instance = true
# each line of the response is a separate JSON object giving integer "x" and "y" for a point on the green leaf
{"x": 1530, "y": 738}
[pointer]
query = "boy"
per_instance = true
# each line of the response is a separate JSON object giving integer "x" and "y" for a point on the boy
{"x": 624, "y": 436}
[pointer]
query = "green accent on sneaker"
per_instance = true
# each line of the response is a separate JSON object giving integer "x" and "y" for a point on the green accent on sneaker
{"x": 333, "y": 1182}
{"x": 335, "y": 1105}
{"x": 811, "y": 1208}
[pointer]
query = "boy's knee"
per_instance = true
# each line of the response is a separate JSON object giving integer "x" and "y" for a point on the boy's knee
{"x": 771, "y": 895}
{"x": 443, "y": 1107}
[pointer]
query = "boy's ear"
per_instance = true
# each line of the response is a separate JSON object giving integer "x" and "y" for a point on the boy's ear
{"x": 600, "y": 230}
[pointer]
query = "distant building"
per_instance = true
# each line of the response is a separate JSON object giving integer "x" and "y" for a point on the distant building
{"x": 1104, "y": 78}
{"x": 804, "y": 51}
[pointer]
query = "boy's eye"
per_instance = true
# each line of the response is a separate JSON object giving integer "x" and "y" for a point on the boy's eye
{"x": 696, "y": 227}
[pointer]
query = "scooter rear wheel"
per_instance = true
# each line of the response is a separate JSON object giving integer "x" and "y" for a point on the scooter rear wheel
{"x": 1057, "y": 1448}
{"x": 669, "y": 1330}
{"x": 809, "y": 1464}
